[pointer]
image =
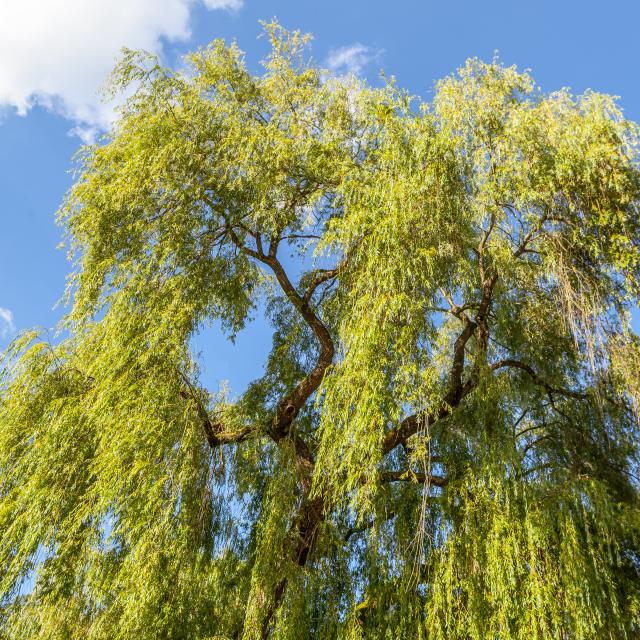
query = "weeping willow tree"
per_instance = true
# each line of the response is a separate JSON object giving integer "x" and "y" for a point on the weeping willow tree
{"x": 444, "y": 443}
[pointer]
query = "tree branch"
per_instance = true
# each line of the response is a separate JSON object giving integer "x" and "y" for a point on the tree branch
{"x": 516, "y": 364}
{"x": 366, "y": 526}
{"x": 457, "y": 391}
{"x": 457, "y": 388}
{"x": 321, "y": 275}
{"x": 291, "y": 404}
{"x": 215, "y": 432}
{"x": 412, "y": 476}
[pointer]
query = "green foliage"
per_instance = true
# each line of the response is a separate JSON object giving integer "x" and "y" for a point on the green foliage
{"x": 444, "y": 443}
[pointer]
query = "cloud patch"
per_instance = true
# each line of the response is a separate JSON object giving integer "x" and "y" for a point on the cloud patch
{"x": 352, "y": 59}
{"x": 7, "y": 326}
{"x": 229, "y": 5}
{"x": 57, "y": 53}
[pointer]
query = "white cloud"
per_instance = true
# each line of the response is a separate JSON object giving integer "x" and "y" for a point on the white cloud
{"x": 352, "y": 59}
{"x": 57, "y": 53}
{"x": 7, "y": 326}
{"x": 230, "y": 5}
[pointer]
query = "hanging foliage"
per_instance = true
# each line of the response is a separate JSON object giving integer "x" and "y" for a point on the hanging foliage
{"x": 444, "y": 443}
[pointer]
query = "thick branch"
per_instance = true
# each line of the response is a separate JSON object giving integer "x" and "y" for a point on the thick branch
{"x": 457, "y": 388}
{"x": 322, "y": 275}
{"x": 291, "y": 404}
{"x": 311, "y": 512}
{"x": 457, "y": 391}
{"x": 217, "y": 435}
{"x": 215, "y": 432}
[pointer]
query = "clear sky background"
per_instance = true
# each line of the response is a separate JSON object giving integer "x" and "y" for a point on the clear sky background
{"x": 54, "y": 54}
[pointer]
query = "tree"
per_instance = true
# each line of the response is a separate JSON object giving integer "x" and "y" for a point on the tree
{"x": 444, "y": 440}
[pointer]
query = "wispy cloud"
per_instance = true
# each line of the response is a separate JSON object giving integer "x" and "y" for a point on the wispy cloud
{"x": 57, "y": 53}
{"x": 7, "y": 326}
{"x": 352, "y": 59}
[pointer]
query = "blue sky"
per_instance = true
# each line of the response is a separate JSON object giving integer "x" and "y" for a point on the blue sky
{"x": 55, "y": 53}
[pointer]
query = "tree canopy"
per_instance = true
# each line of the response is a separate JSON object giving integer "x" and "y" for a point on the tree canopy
{"x": 444, "y": 441}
